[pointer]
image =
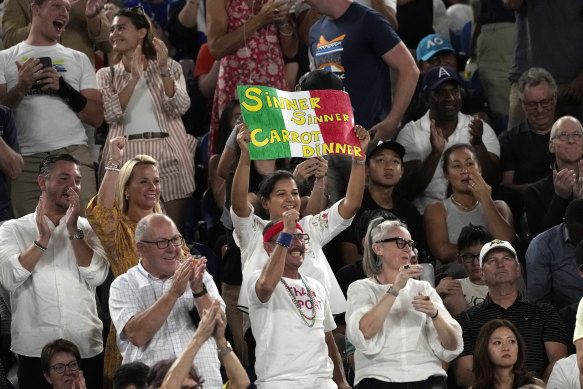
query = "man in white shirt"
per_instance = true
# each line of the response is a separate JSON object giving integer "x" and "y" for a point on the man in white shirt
{"x": 51, "y": 261}
{"x": 291, "y": 317}
{"x": 441, "y": 127}
{"x": 51, "y": 100}
{"x": 150, "y": 304}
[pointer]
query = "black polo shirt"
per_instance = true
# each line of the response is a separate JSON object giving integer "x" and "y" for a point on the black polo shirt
{"x": 537, "y": 323}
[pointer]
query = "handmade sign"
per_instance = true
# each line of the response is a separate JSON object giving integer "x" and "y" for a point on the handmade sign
{"x": 298, "y": 124}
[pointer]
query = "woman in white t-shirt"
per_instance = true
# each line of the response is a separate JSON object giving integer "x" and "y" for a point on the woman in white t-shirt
{"x": 398, "y": 325}
{"x": 278, "y": 193}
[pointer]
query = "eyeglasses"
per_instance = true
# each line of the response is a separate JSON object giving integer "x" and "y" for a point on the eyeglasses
{"x": 470, "y": 258}
{"x": 302, "y": 237}
{"x": 567, "y": 136}
{"x": 533, "y": 105}
{"x": 60, "y": 368}
{"x": 400, "y": 242}
{"x": 139, "y": 9}
{"x": 163, "y": 243}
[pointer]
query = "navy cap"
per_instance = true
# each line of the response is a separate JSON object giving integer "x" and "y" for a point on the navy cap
{"x": 385, "y": 144}
{"x": 438, "y": 75}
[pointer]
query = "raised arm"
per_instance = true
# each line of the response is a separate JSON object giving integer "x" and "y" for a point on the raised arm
{"x": 106, "y": 194}
{"x": 355, "y": 190}
{"x": 240, "y": 185}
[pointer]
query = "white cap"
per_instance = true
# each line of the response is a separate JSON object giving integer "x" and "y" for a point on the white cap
{"x": 496, "y": 244}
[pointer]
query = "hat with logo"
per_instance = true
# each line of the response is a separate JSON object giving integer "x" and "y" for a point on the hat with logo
{"x": 385, "y": 144}
{"x": 431, "y": 45}
{"x": 496, "y": 244}
{"x": 438, "y": 75}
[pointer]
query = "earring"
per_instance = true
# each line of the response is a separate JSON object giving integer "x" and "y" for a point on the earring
{"x": 379, "y": 263}
{"x": 127, "y": 197}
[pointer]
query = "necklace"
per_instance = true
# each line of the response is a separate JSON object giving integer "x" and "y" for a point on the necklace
{"x": 309, "y": 321}
{"x": 463, "y": 206}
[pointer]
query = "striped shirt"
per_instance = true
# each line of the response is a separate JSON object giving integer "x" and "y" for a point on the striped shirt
{"x": 537, "y": 323}
{"x": 175, "y": 154}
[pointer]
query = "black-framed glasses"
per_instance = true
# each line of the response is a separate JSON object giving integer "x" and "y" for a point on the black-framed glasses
{"x": 566, "y": 136}
{"x": 400, "y": 242}
{"x": 197, "y": 386}
{"x": 302, "y": 237}
{"x": 545, "y": 104}
{"x": 163, "y": 243}
{"x": 60, "y": 368}
{"x": 470, "y": 258}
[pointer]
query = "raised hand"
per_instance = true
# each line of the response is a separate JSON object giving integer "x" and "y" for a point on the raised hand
{"x": 422, "y": 303}
{"x": 479, "y": 188}
{"x": 199, "y": 268}
{"x": 72, "y": 213}
{"x": 28, "y": 72}
{"x": 116, "y": 146}
{"x": 363, "y": 137}
{"x": 274, "y": 12}
{"x": 93, "y": 7}
{"x": 243, "y": 137}
{"x": 564, "y": 182}
{"x": 405, "y": 273}
{"x": 181, "y": 278}
{"x": 476, "y": 130}
{"x": 317, "y": 166}
{"x": 161, "y": 55}
{"x": 44, "y": 232}
{"x": 436, "y": 138}
{"x": 208, "y": 321}
{"x": 448, "y": 286}
{"x": 290, "y": 218}
{"x": 138, "y": 62}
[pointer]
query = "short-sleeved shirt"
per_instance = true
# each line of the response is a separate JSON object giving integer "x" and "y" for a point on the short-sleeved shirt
{"x": 44, "y": 121}
{"x": 415, "y": 138}
{"x": 537, "y": 323}
{"x": 352, "y": 46}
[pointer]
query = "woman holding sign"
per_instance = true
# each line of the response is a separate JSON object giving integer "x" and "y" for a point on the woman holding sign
{"x": 144, "y": 97}
{"x": 278, "y": 193}
{"x": 250, "y": 38}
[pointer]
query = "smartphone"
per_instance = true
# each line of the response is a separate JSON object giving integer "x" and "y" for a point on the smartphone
{"x": 47, "y": 62}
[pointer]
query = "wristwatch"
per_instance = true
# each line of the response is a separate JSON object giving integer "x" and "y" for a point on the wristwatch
{"x": 225, "y": 350}
{"x": 393, "y": 291}
{"x": 77, "y": 235}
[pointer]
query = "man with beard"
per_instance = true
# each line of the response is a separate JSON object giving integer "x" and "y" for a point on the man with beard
{"x": 51, "y": 261}
{"x": 442, "y": 126}
{"x": 291, "y": 317}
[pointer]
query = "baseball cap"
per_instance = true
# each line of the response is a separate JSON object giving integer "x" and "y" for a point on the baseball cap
{"x": 438, "y": 75}
{"x": 385, "y": 144}
{"x": 496, "y": 244}
{"x": 319, "y": 79}
{"x": 431, "y": 45}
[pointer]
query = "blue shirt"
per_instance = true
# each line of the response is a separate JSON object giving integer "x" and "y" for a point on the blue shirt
{"x": 551, "y": 269}
{"x": 8, "y": 134}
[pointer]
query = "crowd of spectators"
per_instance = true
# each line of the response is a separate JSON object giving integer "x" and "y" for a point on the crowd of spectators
{"x": 142, "y": 247}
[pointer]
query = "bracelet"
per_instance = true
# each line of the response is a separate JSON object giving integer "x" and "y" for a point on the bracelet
{"x": 225, "y": 350}
{"x": 73, "y": 98}
{"x": 40, "y": 246}
{"x": 113, "y": 164}
{"x": 436, "y": 313}
{"x": 284, "y": 239}
{"x": 112, "y": 169}
{"x": 201, "y": 293}
{"x": 359, "y": 161}
{"x": 393, "y": 291}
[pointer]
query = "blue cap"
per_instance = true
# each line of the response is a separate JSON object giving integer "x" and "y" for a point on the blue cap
{"x": 431, "y": 45}
{"x": 438, "y": 75}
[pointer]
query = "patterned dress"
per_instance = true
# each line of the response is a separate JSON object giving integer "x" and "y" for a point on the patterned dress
{"x": 259, "y": 62}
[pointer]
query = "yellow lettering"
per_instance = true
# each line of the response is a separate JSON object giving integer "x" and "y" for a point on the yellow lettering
{"x": 285, "y": 135}
{"x": 338, "y": 117}
{"x": 267, "y": 98}
{"x": 346, "y": 117}
{"x": 328, "y": 118}
{"x": 291, "y": 104}
{"x": 275, "y": 136}
{"x": 295, "y": 137}
{"x": 349, "y": 149}
{"x": 299, "y": 118}
{"x": 316, "y": 135}
{"x": 314, "y": 102}
{"x": 302, "y": 103}
{"x": 278, "y": 103}
{"x": 253, "y": 94}
{"x": 307, "y": 151}
{"x": 327, "y": 148}
{"x": 318, "y": 119}
{"x": 254, "y": 139}
{"x": 357, "y": 150}
{"x": 340, "y": 149}
{"x": 306, "y": 139}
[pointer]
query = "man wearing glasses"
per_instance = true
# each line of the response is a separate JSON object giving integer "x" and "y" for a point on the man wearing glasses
{"x": 150, "y": 305}
{"x": 291, "y": 317}
{"x": 525, "y": 157}
{"x": 538, "y": 323}
{"x": 547, "y": 199}
{"x": 51, "y": 261}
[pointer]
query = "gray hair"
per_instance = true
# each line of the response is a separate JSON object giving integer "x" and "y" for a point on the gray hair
{"x": 144, "y": 225}
{"x": 377, "y": 228}
{"x": 534, "y": 77}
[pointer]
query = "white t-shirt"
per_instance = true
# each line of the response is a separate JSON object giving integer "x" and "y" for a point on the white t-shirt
{"x": 415, "y": 138}
{"x": 474, "y": 294}
{"x": 565, "y": 374}
{"x": 322, "y": 228}
{"x": 289, "y": 353}
{"x": 43, "y": 120}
